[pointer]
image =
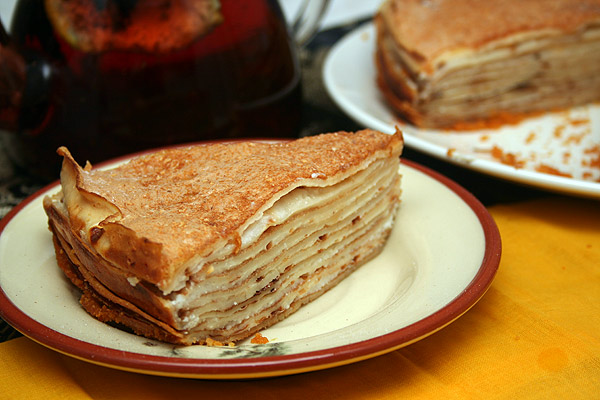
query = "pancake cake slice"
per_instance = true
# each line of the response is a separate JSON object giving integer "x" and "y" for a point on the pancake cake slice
{"x": 215, "y": 242}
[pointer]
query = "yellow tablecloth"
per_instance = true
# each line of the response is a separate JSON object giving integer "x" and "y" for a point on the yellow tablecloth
{"x": 535, "y": 334}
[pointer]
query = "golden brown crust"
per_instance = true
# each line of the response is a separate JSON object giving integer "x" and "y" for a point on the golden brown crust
{"x": 429, "y": 28}
{"x": 106, "y": 311}
{"x": 180, "y": 203}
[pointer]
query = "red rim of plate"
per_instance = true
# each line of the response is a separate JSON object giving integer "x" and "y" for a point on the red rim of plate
{"x": 274, "y": 365}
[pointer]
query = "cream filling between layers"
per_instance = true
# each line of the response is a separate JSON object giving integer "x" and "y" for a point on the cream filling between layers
{"x": 552, "y": 66}
{"x": 208, "y": 271}
{"x": 312, "y": 273}
{"x": 270, "y": 270}
{"x": 303, "y": 267}
{"x": 301, "y": 288}
{"x": 302, "y": 219}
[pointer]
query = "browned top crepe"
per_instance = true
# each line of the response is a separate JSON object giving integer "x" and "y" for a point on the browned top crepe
{"x": 151, "y": 224}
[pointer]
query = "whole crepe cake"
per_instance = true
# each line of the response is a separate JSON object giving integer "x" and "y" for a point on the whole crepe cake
{"x": 462, "y": 63}
{"x": 215, "y": 242}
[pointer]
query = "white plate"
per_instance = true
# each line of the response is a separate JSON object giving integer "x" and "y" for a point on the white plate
{"x": 567, "y": 141}
{"x": 440, "y": 259}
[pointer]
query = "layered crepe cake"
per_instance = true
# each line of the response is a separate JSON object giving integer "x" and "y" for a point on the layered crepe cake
{"x": 462, "y": 63}
{"x": 215, "y": 242}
